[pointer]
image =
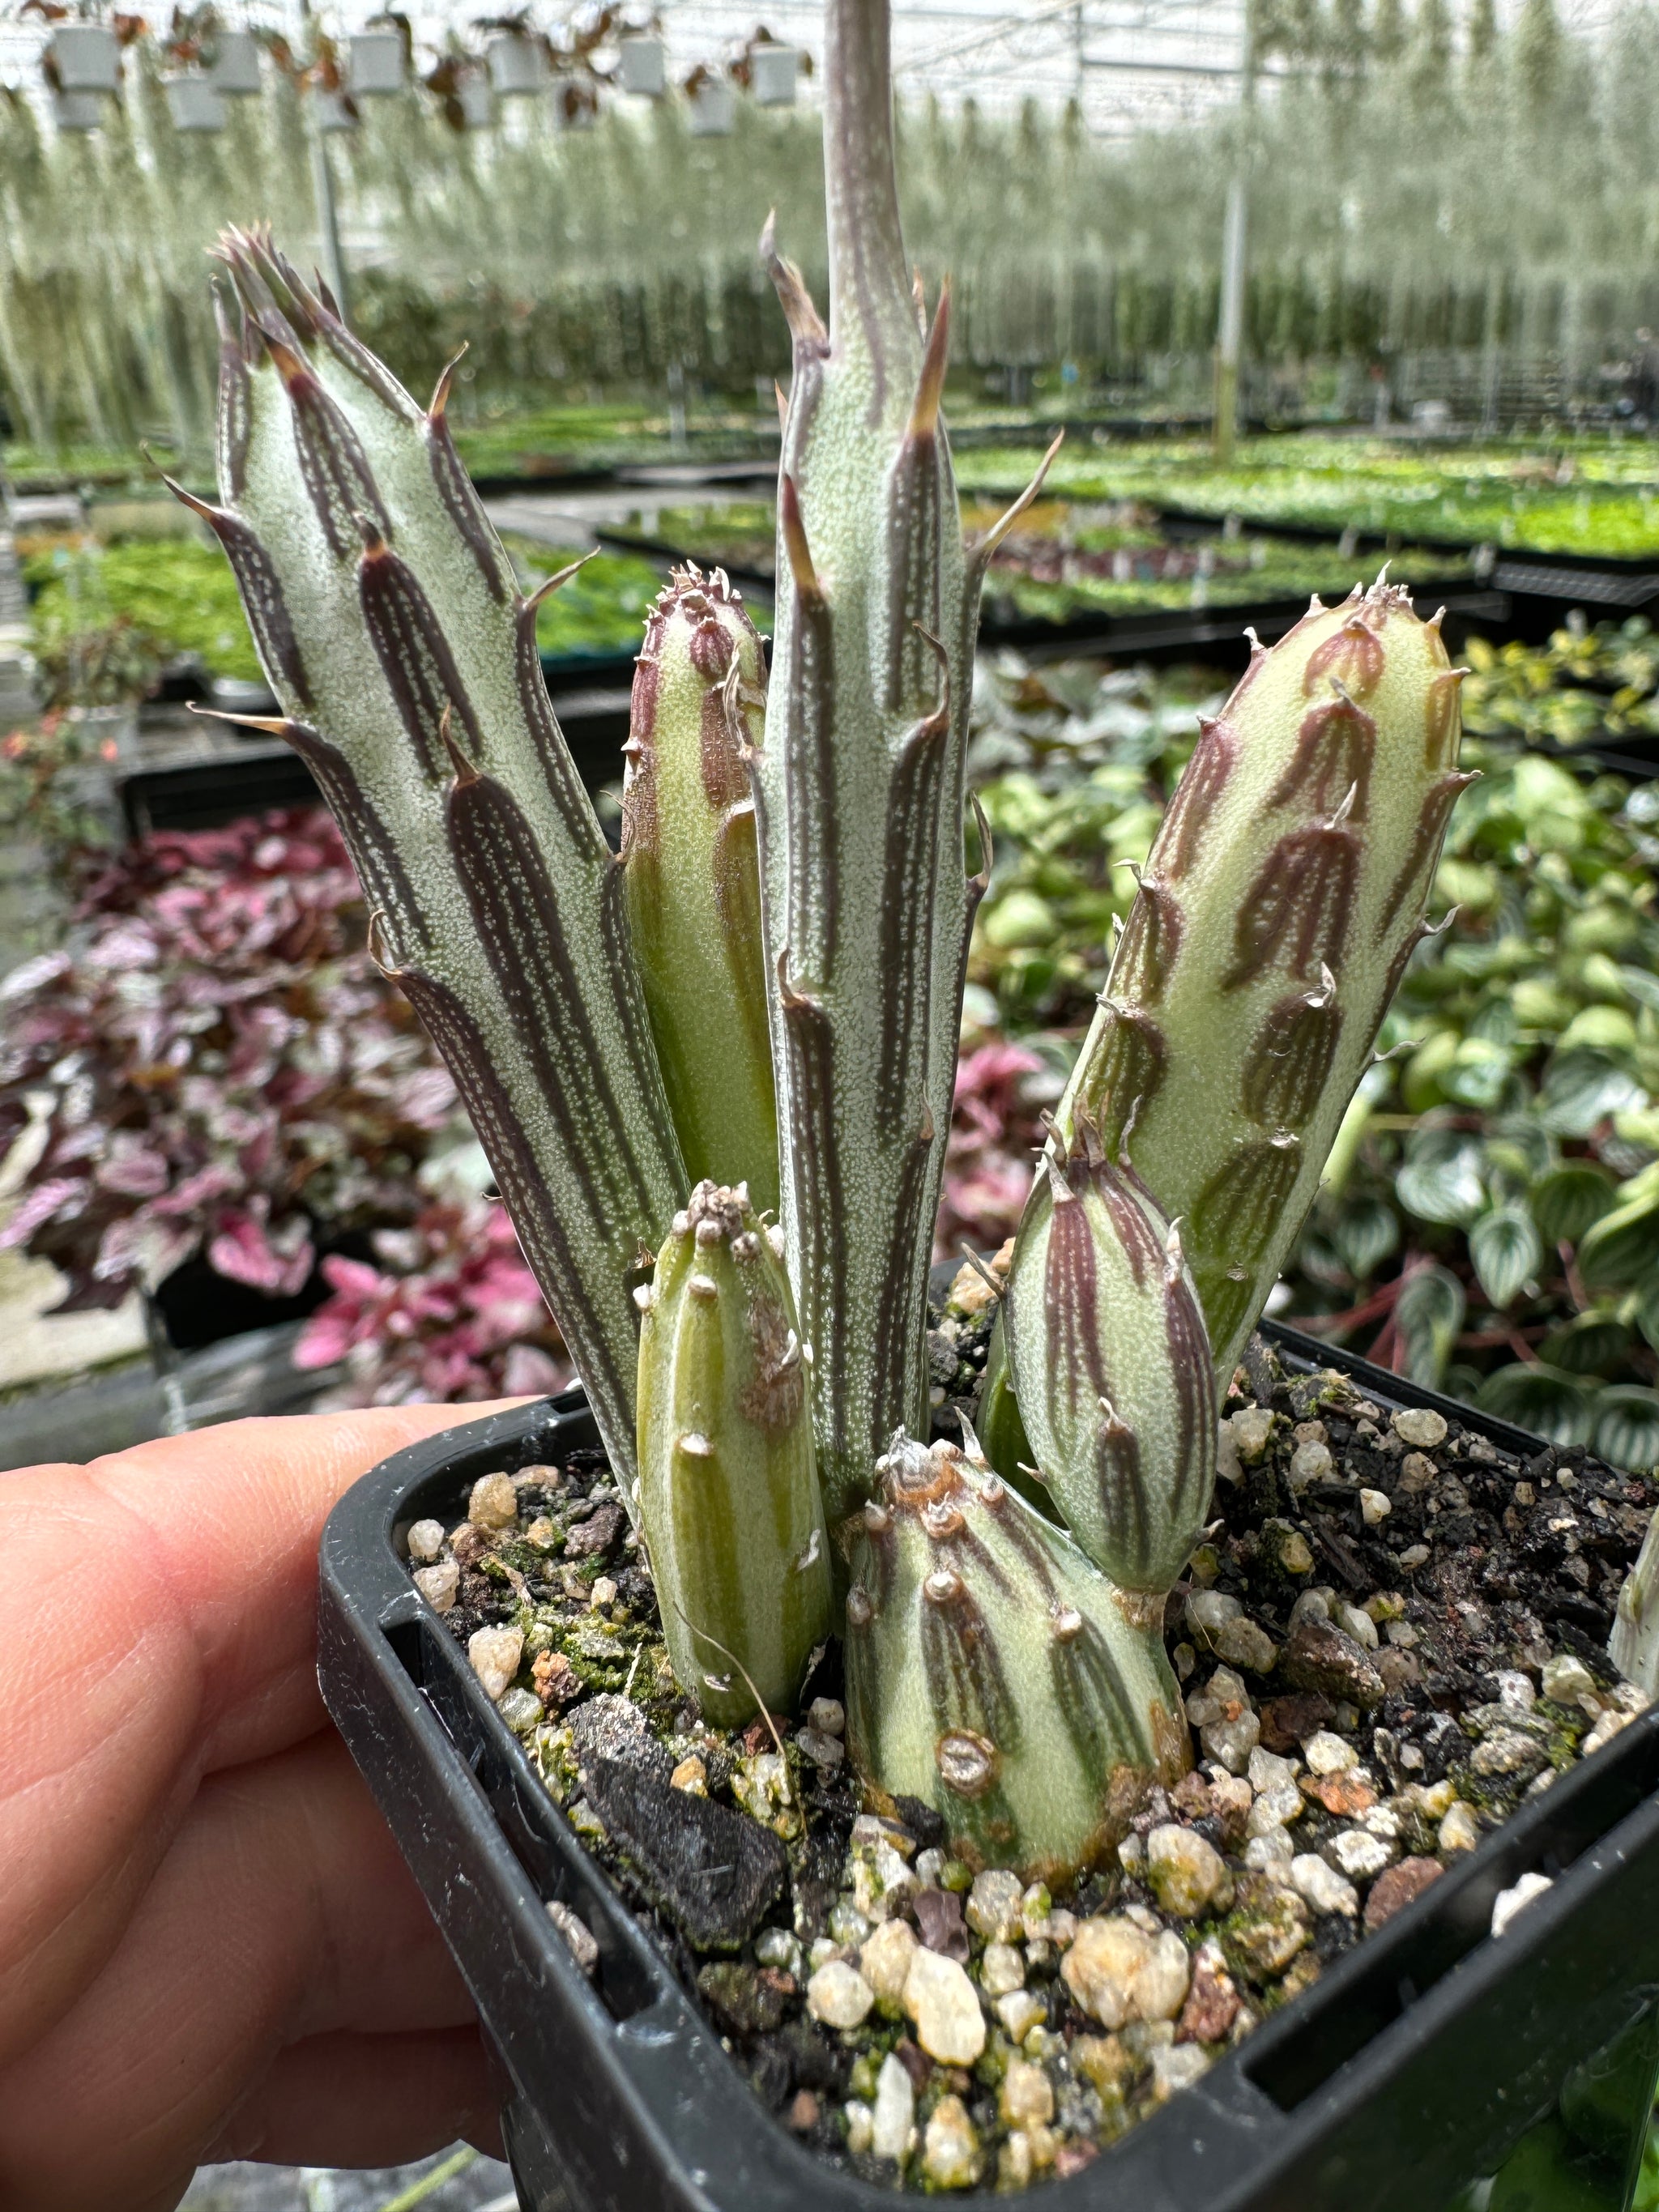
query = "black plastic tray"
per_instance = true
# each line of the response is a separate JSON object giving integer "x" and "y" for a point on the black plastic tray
{"x": 1407, "y": 2072}
{"x": 199, "y": 794}
{"x": 1149, "y": 633}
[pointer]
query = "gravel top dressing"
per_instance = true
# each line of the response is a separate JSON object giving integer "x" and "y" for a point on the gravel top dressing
{"x": 1392, "y": 1632}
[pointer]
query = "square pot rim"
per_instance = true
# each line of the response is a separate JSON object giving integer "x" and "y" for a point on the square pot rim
{"x": 1227, "y": 2118}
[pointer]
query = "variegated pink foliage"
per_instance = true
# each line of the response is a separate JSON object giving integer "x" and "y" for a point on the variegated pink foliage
{"x": 451, "y": 1313}
{"x": 993, "y": 1135}
{"x": 213, "y": 1064}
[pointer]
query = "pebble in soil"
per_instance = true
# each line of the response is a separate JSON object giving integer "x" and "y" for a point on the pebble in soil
{"x": 1391, "y": 1634}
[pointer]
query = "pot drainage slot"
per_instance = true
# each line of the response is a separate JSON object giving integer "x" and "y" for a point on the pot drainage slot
{"x": 529, "y": 1821}
{"x": 1300, "y": 2059}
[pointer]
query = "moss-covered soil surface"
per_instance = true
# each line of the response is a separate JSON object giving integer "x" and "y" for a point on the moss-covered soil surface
{"x": 1392, "y": 1633}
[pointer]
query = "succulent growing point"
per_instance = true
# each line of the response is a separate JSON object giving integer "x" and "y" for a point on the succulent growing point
{"x": 1281, "y": 902}
{"x": 392, "y": 631}
{"x": 688, "y": 859}
{"x": 726, "y": 1492}
{"x": 1110, "y": 1365}
{"x": 859, "y": 785}
{"x": 994, "y": 1673}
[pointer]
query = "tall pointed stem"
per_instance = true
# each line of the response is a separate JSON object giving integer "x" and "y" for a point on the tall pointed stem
{"x": 859, "y": 786}
{"x": 870, "y": 296}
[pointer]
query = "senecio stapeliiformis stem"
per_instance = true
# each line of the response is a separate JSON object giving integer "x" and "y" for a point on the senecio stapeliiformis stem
{"x": 393, "y": 632}
{"x": 1280, "y": 902}
{"x": 1282, "y": 899}
{"x": 763, "y": 995}
{"x": 688, "y": 853}
{"x": 859, "y": 785}
{"x": 1274, "y": 920}
{"x": 727, "y": 1496}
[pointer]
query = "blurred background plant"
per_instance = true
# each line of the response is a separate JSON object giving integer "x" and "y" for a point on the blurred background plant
{"x": 113, "y": 663}
{"x": 1596, "y": 684}
{"x": 449, "y": 1311}
{"x": 1551, "y": 492}
{"x": 212, "y": 1065}
{"x": 213, "y": 1071}
{"x": 49, "y": 796}
{"x": 173, "y": 598}
{"x": 91, "y": 649}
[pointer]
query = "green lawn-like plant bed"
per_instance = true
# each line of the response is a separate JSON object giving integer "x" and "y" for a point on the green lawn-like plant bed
{"x": 1080, "y": 561}
{"x": 1071, "y": 559}
{"x": 181, "y": 592}
{"x": 737, "y": 535}
{"x": 1585, "y": 687}
{"x": 1593, "y": 498}
{"x": 601, "y": 610}
{"x": 177, "y": 591}
{"x": 548, "y": 441}
{"x": 30, "y": 468}
{"x": 558, "y": 441}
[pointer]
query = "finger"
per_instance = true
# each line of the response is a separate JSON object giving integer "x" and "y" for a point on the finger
{"x": 233, "y": 1516}
{"x": 160, "y": 1617}
{"x": 281, "y": 1913}
{"x": 332, "y": 2101}
{"x": 369, "y": 2100}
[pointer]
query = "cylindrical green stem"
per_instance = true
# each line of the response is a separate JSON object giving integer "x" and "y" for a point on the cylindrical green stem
{"x": 693, "y": 878}
{"x": 1279, "y": 905}
{"x": 390, "y": 625}
{"x": 727, "y": 1495}
{"x": 1110, "y": 1366}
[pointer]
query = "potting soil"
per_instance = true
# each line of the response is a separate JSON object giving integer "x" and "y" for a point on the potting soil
{"x": 1392, "y": 1632}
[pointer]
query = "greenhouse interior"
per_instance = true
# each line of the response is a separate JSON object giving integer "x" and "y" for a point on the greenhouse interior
{"x": 829, "y": 1105}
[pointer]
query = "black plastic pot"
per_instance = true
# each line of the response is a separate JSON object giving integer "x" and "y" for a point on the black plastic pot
{"x": 1427, "y": 2059}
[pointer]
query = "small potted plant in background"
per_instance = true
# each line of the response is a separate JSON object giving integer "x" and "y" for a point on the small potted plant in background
{"x": 1010, "y": 1528}
{"x": 196, "y": 98}
{"x": 518, "y": 55}
{"x": 96, "y": 664}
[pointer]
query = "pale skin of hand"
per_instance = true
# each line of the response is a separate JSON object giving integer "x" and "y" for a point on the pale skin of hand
{"x": 209, "y": 1947}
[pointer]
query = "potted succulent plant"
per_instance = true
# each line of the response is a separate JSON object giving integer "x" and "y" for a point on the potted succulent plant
{"x": 99, "y": 671}
{"x": 713, "y": 100}
{"x": 195, "y": 102}
{"x": 771, "y": 71}
{"x": 758, "y": 1003}
{"x": 232, "y": 62}
{"x": 641, "y": 64}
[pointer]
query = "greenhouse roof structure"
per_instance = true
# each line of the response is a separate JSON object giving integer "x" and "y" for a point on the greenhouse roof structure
{"x": 1130, "y": 63}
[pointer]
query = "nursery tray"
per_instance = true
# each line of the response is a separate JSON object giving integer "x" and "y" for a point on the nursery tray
{"x": 1407, "y": 2072}
{"x": 85, "y": 1416}
{"x": 1149, "y": 633}
{"x": 200, "y": 793}
{"x": 1193, "y": 522}
{"x": 758, "y": 583}
{"x": 544, "y": 470}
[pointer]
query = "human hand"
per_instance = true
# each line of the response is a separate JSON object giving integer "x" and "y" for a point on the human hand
{"x": 210, "y": 1947}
